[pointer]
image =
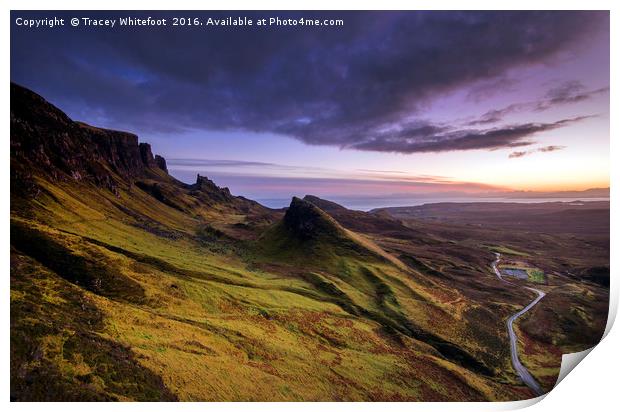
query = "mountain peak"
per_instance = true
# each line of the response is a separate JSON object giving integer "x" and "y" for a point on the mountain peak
{"x": 209, "y": 192}
{"x": 308, "y": 221}
{"x": 308, "y": 234}
{"x": 206, "y": 184}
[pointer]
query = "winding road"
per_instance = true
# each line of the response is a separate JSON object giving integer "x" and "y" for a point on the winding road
{"x": 521, "y": 370}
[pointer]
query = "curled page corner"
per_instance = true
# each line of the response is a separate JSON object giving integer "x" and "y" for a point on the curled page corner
{"x": 613, "y": 310}
{"x": 526, "y": 403}
{"x": 569, "y": 362}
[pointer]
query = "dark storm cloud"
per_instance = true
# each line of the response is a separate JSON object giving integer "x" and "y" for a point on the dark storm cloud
{"x": 544, "y": 149}
{"x": 347, "y": 86}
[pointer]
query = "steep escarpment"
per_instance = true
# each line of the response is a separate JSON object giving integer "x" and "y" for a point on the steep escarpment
{"x": 46, "y": 140}
{"x": 54, "y": 157}
{"x": 161, "y": 163}
{"x": 146, "y": 155}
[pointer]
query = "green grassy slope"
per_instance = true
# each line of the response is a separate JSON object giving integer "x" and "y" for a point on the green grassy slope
{"x": 199, "y": 322}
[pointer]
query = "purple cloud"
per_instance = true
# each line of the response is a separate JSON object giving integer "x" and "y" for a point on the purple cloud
{"x": 544, "y": 149}
{"x": 439, "y": 141}
{"x": 567, "y": 93}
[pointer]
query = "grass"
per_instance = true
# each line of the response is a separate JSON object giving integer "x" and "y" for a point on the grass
{"x": 182, "y": 309}
{"x": 506, "y": 250}
{"x": 57, "y": 350}
{"x": 536, "y": 275}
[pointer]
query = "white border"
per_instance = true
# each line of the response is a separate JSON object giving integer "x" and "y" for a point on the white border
{"x": 592, "y": 387}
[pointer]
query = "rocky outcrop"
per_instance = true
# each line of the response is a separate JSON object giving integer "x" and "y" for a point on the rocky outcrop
{"x": 146, "y": 155}
{"x": 307, "y": 221}
{"x": 45, "y": 140}
{"x": 161, "y": 163}
{"x": 206, "y": 189}
{"x": 309, "y": 234}
{"x": 149, "y": 161}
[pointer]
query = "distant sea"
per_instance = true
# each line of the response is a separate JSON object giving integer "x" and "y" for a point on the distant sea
{"x": 367, "y": 204}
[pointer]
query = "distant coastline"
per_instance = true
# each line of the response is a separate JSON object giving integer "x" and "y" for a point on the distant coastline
{"x": 367, "y": 204}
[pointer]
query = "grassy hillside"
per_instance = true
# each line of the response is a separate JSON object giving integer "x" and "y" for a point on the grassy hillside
{"x": 198, "y": 319}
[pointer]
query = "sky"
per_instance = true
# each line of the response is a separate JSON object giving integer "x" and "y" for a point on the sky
{"x": 387, "y": 105}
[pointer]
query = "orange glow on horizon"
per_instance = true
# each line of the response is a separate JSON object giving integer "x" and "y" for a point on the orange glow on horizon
{"x": 547, "y": 186}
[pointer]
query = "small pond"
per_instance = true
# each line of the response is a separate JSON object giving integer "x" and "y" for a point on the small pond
{"x": 517, "y": 273}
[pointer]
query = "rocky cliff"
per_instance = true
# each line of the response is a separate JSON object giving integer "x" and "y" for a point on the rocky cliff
{"x": 308, "y": 221}
{"x": 44, "y": 139}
